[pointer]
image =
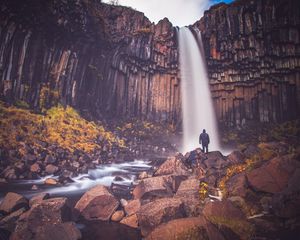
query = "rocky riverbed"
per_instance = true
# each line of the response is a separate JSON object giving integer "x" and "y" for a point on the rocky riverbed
{"x": 249, "y": 194}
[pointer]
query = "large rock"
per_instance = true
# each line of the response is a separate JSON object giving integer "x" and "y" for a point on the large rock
{"x": 48, "y": 212}
{"x": 237, "y": 185}
{"x": 188, "y": 193}
{"x": 154, "y": 187}
{"x": 38, "y": 198}
{"x": 132, "y": 207}
{"x": 51, "y": 169}
{"x": 131, "y": 221}
{"x": 9, "y": 221}
{"x": 97, "y": 204}
{"x": 159, "y": 211}
{"x": 118, "y": 216}
{"x": 172, "y": 166}
{"x": 273, "y": 176}
{"x": 61, "y": 231}
{"x": 236, "y": 157}
{"x": 215, "y": 160}
{"x": 186, "y": 228}
{"x": 12, "y": 202}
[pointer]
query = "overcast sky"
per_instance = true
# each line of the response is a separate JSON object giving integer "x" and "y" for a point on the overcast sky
{"x": 179, "y": 12}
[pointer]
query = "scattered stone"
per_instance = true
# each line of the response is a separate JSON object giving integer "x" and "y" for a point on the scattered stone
{"x": 50, "y": 159}
{"x": 34, "y": 187}
{"x": 123, "y": 202}
{"x": 35, "y": 168}
{"x": 51, "y": 181}
{"x": 12, "y": 202}
{"x": 9, "y": 173}
{"x": 51, "y": 169}
{"x": 118, "y": 216}
{"x": 97, "y": 204}
{"x": 3, "y": 180}
{"x": 159, "y": 211}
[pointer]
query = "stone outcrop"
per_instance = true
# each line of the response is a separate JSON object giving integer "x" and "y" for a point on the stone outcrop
{"x": 12, "y": 202}
{"x": 252, "y": 53}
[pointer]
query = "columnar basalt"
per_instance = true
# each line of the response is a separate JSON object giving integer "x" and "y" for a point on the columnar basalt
{"x": 253, "y": 56}
{"x": 102, "y": 59}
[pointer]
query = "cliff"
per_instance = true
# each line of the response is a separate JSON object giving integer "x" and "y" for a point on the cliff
{"x": 112, "y": 61}
{"x": 101, "y": 59}
{"x": 252, "y": 50}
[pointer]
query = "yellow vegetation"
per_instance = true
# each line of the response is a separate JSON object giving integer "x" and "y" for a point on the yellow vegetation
{"x": 203, "y": 190}
{"x": 59, "y": 126}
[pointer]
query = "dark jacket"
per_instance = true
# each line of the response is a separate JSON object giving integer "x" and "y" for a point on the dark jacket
{"x": 204, "y": 139}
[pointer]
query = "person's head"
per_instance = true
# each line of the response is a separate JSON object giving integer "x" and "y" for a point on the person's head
{"x": 204, "y": 131}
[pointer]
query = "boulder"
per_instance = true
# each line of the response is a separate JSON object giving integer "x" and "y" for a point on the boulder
{"x": 118, "y": 216}
{"x": 51, "y": 181}
{"x": 186, "y": 228}
{"x": 190, "y": 188}
{"x": 51, "y": 169}
{"x": 237, "y": 185}
{"x": 172, "y": 166}
{"x": 97, "y": 204}
{"x": 35, "y": 168}
{"x": 273, "y": 176}
{"x": 12, "y": 202}
{"x": 154, "y": 187}
{"x": 48, "y": 212}
{"x": 223, "y": 209}
{"x": 9, "y": 221}
{"x": 215, "y": 160}
{"x": 131, "y": 221}
{"x": 236, "y": 157}
{"x": 132, "y": 207}
{"x": 38, "y": 198}
{"x": 159, "y": 211}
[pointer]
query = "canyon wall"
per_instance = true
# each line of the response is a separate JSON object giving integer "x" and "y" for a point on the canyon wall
{"x": 252, "y": 50}
{"x": 101, "y": 59}
{"x": 112, "y": 61}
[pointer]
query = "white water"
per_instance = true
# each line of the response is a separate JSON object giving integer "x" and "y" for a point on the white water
{"x": 103, "y": 174}
{"x": 197, "y": 106}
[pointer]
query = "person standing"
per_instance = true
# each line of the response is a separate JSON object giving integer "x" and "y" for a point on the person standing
{"x": 204, "y": 140}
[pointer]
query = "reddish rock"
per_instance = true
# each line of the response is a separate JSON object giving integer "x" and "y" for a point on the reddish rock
{"x": 215, "y": 160}
{"x": 131, "y": 221}
{"x": 273, "y": 176}
{"x": 118, "y": 216}
{"x": 12, "y": 202}
{"x": 38, "y": 198}
{"x": 61, "y": 231}
{"x": 9, "y": 173}
{"x": 132, "y": 207}
{"x": 186, "y": 228}
{"x": 172, "y": 166}
{"x": 35, "y": 168}
{"x": 51, "y": 169}
{"x": 236, "y": 157}
{"x": 159, "y": 211}
{"x": 237, "y": 185}
{"x": 9, "y": 221}
{"x": 48, "y": 212}
{"x": 51, "y": 181}
{"x": 222, "y": 209}
{"x": 148, "y": 188}
{"x": 97, "y": 204}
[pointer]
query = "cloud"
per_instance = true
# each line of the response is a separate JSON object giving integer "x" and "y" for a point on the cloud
{"x": 179, "y": 12}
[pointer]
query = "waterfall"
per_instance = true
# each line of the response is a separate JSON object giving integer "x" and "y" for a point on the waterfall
{"x": 197, "y": 105}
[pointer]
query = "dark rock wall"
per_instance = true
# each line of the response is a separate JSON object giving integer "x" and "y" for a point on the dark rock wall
{"x": 253, "y": 56}
{"x": 102, "y": 59}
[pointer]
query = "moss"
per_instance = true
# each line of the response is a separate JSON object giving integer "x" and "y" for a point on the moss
{"x": 60, "y": 126}
{"x": 203, "y": 190}
{"x": 195, "y": 233}
{"x": 241, "y": 227}
{"x": 22, "y": 104}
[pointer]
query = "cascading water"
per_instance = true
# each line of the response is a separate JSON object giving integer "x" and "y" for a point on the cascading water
{"x": 197, "y": 106}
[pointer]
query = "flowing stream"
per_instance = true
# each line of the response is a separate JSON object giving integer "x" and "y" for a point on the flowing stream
{"x": 197, "y": 105}
{"x": 122, "y": 175}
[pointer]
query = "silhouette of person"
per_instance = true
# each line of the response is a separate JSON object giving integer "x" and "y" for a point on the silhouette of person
{"x": 204, "y": 140}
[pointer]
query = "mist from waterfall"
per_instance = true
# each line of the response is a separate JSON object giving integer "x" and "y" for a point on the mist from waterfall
{"x": 197, "y": 106}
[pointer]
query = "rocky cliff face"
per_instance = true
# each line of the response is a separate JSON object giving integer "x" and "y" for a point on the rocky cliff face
{"x": 112, "y": 61}
{"x": 102, "y": 59}
{"x": 253, "y": 56}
